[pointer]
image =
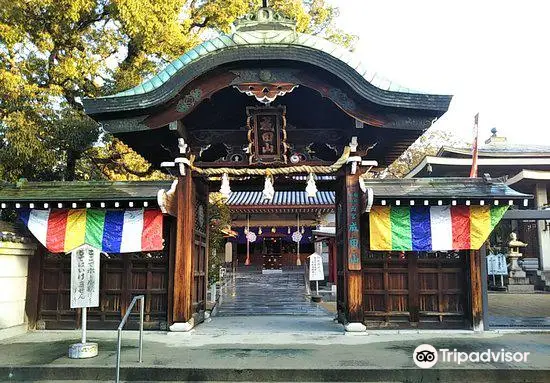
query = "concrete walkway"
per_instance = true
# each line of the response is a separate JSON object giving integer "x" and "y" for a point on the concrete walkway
{"x": 272, "y": 348}
{"x": 253, "y": 293}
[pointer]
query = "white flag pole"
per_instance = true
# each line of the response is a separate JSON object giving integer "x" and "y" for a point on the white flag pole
{"x": 84, "y": 315}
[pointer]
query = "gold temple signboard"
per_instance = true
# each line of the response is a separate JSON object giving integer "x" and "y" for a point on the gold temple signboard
{"x": 266, "y": 134}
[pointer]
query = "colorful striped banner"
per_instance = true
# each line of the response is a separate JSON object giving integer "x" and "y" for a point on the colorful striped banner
{"x": 432, "y": 228}
{"x": 111, "y": 231}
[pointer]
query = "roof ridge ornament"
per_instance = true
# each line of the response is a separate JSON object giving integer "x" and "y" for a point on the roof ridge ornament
{"x": 265, "y": 18}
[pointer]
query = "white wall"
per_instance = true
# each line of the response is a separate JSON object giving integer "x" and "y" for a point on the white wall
{"x": 14, "y": 259}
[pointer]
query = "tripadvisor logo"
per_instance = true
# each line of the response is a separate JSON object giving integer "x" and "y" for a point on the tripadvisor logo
{"x": 426, "y": 356}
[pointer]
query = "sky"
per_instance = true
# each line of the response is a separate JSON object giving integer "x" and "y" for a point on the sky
{"x": 493, "y": 56}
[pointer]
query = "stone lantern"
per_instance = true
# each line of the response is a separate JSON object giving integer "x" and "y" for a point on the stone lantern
{"x": 518, "y": 280}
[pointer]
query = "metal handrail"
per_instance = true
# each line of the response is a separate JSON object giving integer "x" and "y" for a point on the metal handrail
{"x": 119, "y": 330}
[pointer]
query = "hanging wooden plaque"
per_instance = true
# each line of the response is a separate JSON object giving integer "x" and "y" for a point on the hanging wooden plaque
{"x": 266, "y": 134}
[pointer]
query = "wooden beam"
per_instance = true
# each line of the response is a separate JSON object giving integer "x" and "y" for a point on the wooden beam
{"x": 266, "y": 223}
{"x": 527, "y": 214}
{"x": 183, "y": 272}
{"x": 476, "y": 293}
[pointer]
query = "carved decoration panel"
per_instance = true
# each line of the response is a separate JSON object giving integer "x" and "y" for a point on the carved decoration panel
{"x": 266, "y": 135}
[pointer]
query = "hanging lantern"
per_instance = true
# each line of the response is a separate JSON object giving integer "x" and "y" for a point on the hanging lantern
{"x": 225, "y": 189}
{"x": 303, "y": 230}
{"x": 273, "y": 230}
{"x": 288, "y": 230}
{"x": 251, "y": 236}
{"x": 311, "y": 188}
{"x": 245, "y": 231}
{"x": 260, "y": 231}
{"x": 269, "y": 191}
{"x": 296, "y": 236}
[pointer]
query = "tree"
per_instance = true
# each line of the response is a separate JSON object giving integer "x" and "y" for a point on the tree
{"x": 427, "y": 145}
{"x": 54, "y": 52}
{"x": 219, "y": 218}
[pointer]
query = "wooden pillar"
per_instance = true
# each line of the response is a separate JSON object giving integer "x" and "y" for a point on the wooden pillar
{"x": 331, "y": 261}
{"x": 171, "y": 221}
{"x": 33, "y": 286}
{"x": 476, "y": 293}
{"x": 183, "y": 272}
{"x": 352, "y": 248}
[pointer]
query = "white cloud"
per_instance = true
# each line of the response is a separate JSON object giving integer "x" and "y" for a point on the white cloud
{"x": 492, "y": 55}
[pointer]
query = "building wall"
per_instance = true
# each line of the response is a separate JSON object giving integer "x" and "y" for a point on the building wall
{"x": 14, "y": 258}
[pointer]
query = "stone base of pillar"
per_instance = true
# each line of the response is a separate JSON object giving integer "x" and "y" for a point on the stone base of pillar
{"x": 355, "y": 327}
{"x": 183, "y": 326}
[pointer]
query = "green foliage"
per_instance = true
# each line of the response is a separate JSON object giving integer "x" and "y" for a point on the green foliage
{"x": 118, "y": 162}
{"x": 54, "y": 52}
{"x": 427, "y": 145}
{"x": 219, "y": 218}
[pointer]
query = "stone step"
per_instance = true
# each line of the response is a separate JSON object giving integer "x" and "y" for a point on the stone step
{"x": 171, "y": 374}
{"x": 254, "y": 294}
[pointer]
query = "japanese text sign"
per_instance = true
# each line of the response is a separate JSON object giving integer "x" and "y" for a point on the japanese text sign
{"x": 84, "y": 277}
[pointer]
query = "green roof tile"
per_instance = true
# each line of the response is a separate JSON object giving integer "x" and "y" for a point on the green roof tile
{"x": 261, "y": 37}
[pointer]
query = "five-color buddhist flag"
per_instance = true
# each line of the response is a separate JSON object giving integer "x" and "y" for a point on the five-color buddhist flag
{"x": 432, "y": 228}
{"x": 111, "y": 231}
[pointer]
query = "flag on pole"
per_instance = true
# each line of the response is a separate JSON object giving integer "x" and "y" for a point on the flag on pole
{"x": 473, "y": 171}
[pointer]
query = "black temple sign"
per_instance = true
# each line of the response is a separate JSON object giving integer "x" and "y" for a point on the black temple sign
{"x": 266, "y": 134}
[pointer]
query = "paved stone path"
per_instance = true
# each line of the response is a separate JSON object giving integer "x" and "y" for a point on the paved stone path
{"x": 519, "y": 310}
{"x": 520, "y": 305}
{"x": 253, "y": 293}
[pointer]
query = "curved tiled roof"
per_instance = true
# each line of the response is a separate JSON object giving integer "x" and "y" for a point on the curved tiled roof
{"x": 264, "y": 38}
{"x": 281, "y": 198}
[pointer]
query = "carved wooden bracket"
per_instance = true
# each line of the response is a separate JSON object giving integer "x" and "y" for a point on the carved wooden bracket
{"x": 265, "y": 92}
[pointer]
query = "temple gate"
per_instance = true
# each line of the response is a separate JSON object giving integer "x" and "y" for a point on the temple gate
{"x": 269, "y": 108}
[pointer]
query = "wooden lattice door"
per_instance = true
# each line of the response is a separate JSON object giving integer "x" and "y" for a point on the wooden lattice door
{"x": 200, "y": 246}
{"x": 122, "y": 276}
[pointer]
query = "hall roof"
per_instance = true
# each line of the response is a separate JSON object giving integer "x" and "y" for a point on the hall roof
{"x": 81, "y": 192}
{"x": 529, "y": 177}
{"x": 496, "y": 166}
{"x": 500, "y": 150}
{"x": 264, "y": 39}
{"x": 444, "y": 188}
{"x": 144, "y": 193}
{"x": 252, "y": 199}
{"x": 266, "y": 36}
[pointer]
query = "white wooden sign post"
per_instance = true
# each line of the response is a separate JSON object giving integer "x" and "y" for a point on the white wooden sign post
{"x": 316, "y": 272}
{"x": 84, "y": 294}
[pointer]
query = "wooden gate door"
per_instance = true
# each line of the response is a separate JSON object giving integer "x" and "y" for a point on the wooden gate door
{"x": 191, "y": 251}
{"x": 412, "y": 289}
{"x": 200, "y": 247}
{"x": 122, "y": 276}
